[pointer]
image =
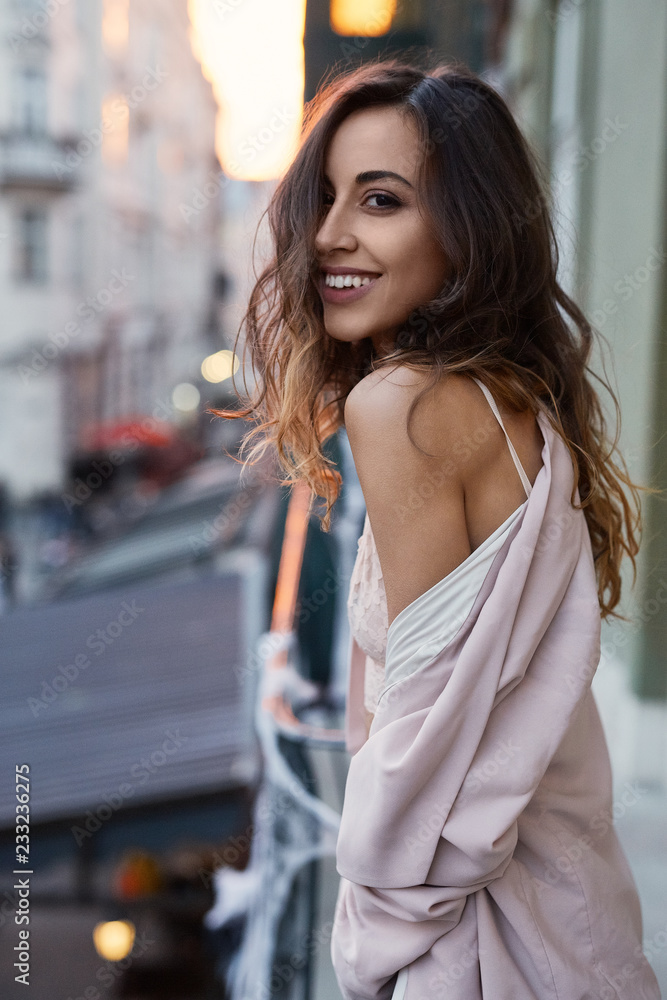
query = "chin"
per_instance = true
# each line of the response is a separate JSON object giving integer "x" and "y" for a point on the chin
{"x": 348, "y": 336}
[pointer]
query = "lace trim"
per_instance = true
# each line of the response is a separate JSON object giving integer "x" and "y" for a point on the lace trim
{"x": 367, "y": 601}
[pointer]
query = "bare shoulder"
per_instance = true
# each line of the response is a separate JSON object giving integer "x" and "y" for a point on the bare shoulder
{"x": 437, "y": 493}
{"x": 380, "y": 402}
{"x": 383, "y": 389}
{"x": 415, "y": 502}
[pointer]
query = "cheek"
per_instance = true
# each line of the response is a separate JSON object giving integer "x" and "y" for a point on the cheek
{"x": 417, "y": 259}
{"x": 420, "y": 270}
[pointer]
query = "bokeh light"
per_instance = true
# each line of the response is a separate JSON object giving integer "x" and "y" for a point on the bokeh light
{"x": 219, "y": 366}
{"x": 362, "y": 18}
{"x": 252, "y": 52}
{"x": 185, "y": 397}
{"x": 114, "y": 939}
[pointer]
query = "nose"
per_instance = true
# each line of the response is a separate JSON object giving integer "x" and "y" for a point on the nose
{"x": 335, "y": 233}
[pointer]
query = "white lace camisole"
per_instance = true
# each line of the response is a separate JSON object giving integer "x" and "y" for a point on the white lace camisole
{"x": 367, "y": 602}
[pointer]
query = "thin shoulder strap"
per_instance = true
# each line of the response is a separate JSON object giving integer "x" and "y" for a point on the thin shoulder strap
{"x": 519, "y": 467}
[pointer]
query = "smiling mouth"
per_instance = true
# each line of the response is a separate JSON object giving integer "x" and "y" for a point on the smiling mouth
{"x": 346, "y": 286}
{"x": 346, "y": 280}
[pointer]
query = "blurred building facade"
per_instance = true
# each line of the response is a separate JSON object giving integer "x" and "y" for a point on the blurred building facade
{"x": 108, "y": 223}
{"x": 588, "y": 82}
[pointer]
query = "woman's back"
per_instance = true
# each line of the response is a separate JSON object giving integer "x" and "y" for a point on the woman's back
{"x": 443, "y": 504}
{"x": 496, "y": 486}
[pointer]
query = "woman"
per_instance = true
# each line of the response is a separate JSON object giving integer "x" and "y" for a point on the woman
{"x": 413, "y": 295}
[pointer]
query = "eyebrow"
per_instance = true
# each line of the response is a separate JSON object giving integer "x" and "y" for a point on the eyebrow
{"x": 377, "y": 175}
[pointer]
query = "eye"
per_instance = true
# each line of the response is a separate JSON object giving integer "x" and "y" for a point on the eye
{"x": 383, "y": 200}
{"x": 327, "y": 199}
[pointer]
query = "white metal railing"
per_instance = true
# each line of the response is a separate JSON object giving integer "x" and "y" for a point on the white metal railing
{"x": 292, "y": 828}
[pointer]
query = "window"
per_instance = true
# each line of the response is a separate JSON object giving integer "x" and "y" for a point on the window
{"x": 30, "y": 100}
{"x": 32, "y": 246}
{"x": 77, "y": 260}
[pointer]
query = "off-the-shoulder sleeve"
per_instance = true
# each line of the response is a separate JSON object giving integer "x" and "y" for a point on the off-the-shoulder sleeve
{"x": 459, "y": 745}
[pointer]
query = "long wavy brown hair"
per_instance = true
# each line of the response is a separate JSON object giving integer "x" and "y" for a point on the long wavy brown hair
{"x": 501, "y": 315}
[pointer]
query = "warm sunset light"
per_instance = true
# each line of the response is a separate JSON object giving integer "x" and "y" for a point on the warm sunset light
{"x": 367, "y": 18}
{"x": 252, "y": 52}
{"x": 115, "y": 25}
{"x": 115, "y": 138}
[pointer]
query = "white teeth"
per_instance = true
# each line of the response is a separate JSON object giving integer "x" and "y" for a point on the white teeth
{"x": 346, "y": 280}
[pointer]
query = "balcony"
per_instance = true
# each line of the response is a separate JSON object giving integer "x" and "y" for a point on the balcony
{"x": 33, "y": 160}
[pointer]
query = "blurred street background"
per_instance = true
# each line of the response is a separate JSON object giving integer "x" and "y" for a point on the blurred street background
{"x": 182, "y": 809}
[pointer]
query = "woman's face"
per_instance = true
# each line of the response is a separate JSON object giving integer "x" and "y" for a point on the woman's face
{"x": 373, "y": 240}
